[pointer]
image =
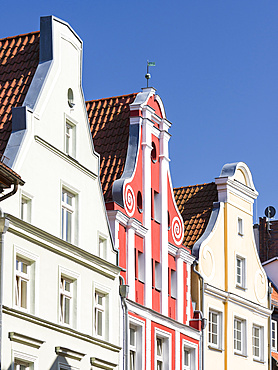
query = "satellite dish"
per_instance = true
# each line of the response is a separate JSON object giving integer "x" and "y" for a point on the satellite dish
{"x": 270, "y": 212}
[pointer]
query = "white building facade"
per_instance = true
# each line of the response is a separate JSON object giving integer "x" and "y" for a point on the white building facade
{"x": 60, "y": 303}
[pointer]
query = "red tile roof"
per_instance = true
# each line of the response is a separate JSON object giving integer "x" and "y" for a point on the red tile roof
{"x": 195, "y": 205}
{"x": 19, "y": 58}
{"x": 109, "y": 121}
{"x": 275, "y": 355}
{"x": 8, "y": 176}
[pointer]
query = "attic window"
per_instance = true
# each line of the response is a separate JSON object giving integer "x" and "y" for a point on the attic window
{"x": 153, "y": 153}
{"x": 70, "y": 98}
{"x": 139, "y": 202}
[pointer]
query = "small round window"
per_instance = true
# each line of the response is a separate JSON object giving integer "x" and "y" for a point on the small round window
{"x": 139, "y": 202}
{"x": 70, "y": 98}
{"x": 153, "y": 153}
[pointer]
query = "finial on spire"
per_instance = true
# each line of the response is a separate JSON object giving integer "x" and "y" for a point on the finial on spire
{"x": 148, "y": 75}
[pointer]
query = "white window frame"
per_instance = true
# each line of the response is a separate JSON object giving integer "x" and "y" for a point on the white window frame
{"x": 260, "y": 345}
{"x": 274, "y": 335}
{"x": 65, "y": 296}
{"x": 73, "y": 295}
{"x": 31, "y": 278}
{"x": 218, "y": 333}
{"x": 192, "y": 348}
{"x": 25, "y": 211}
{"x": 165, "y": 357}
{"x": 102, "y": 291}
{"x": 66, "y": 208}
{"x": 70, "y": 137}
{"x": 102, "y": 246}
{"x": 240, "y": 278}
{"x": 139, "y": 327}
{"x": 240, "y": 229}
{"x": 242, "y": 340}
{"x": 26, "y": 359}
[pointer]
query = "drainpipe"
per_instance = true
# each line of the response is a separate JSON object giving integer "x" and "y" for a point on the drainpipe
{"x": 123, "y": 290}
{"x": 201, "y": 352}
{"x": 4, "y": 225}
{"x": 10, "y": 193}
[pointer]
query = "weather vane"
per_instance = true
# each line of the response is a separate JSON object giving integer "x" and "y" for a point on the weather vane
{"x": 148, "y": 75}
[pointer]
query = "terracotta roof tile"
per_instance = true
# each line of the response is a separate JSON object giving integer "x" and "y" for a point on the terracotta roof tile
{"x": 109, "y": 121}
{"x": 19, "y": 58}
{"x": 195, "y": 205}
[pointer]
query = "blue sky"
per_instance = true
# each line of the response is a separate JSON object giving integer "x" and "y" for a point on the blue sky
{"x": 216, "y": 72}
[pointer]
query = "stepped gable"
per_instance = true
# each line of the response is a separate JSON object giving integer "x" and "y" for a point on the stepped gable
{"x": 109, "y": 121}
{"x": 195, "y": 205}
{"x": 19, "y": 58}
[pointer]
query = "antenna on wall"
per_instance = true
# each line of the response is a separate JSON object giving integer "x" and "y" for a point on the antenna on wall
{"x": 269, "y": 213}
{"x": 148, "y": 75}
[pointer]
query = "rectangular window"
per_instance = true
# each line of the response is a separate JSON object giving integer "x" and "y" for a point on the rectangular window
{"x": 141, "y": 267}
{"x": 240, "y": 226}
{"x": 186, "y": 359}
{"x": 156, "y": 201}
{"x": 25, "y": 208}
{"x": 102, "y": 248}
{"x": 159, "y": 354}
{"x": 70, "y": 140}
{"x": 257, "y": 342}
{"x": 240, "y": 272}
{"x": 66, "y": 296}
{"x": 68, "y": 210}
{"x": 239, "y": 336}
{"x": 158, "y": 277}
{"x": 22, "y": 283}
{"x": 214, "y": 329}
{"x": 100, "y": 299}
{"x": 274, "y": 335}
{"x": 132, "y": 348}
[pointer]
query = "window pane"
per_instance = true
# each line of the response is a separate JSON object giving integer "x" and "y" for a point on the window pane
{"x": 68, "y": 226}
{"x": 99, "y": 323}
{"x": 186, "y": 357}
{"x": 132, "y": 337}
{"x": 67, "y": 310}
{"x": 23, "y": 293}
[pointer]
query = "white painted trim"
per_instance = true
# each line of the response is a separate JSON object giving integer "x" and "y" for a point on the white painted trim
{"x": 17, "y": 355}
{"x": 193, "y": 348}
{"x": 66, "y": 158}
{"x": 76, "y": 298}
{"x": 160, "y": 319}
{"x": 59, "y": 246}
{"x": 60, "y": 328}
{"x": 136, "y": 322}
{"x": 33, "y": 259}
{"x": 231, "y": 297}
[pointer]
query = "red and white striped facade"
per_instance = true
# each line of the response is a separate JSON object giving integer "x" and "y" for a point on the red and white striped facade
{"x": 148, "y": 232}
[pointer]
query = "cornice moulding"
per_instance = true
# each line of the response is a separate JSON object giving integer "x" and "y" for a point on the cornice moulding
{"x": 24, "y": 339}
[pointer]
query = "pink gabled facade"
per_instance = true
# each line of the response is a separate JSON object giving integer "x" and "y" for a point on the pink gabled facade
{"x": 147, "y": 229}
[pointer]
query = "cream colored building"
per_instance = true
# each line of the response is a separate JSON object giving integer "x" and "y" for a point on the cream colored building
{"x": 234, "y": 300}
{"x": 60, "y": 303}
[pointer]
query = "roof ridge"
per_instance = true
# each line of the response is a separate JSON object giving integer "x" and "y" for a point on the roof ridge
{"x": 191, "y": 186}
{"x": 21, "y": 35}
{"x": 112, "y": 97}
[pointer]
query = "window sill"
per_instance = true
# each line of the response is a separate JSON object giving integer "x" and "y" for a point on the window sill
{"x": 241, "y": 287}
{"x": 240, "y": 354}
{"x": 215, "y": 348}
{"x": 258, "y": 360}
